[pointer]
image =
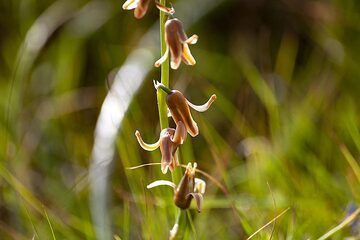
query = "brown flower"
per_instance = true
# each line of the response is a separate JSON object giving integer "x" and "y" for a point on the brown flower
{"x": 189, "y": 188}
{"x": 141, "y": 7}
{"x": 177, "y": 43}
{"x": 168, "y": 142}
{"x": 179, "y": 108}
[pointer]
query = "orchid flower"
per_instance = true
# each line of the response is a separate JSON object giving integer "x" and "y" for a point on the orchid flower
{"x": 177, "y": 43}
{"x": 141, "y": 7}
{"x": 169, "y": 141}
{"x": 189, "y": 188}
{"x": 179, "y": 108}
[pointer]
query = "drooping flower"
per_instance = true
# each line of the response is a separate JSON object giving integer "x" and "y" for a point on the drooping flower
{"x": 177, "y": 43}
{"x": 141, "y": 7}
{"x": 179, "y": 108}
{"x": 189, "y": 188}
{"x": 169, "y": 141}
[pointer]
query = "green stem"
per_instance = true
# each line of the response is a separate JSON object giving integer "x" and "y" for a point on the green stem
{"x": 164, "y": 123}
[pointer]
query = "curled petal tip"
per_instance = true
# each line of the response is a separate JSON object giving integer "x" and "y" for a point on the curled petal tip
{"x": 165, "y": 9}
{"x": 144, "y": 145}
{"x": 164, "y": 169}
{"x": 163, "y": 58}
{"x": 193, "y": 39}
{"x": 175, "y": 65}
{"x": 160, "y": 183}
{"x": 205, "y": 106}
{"x": 130, "y": 4}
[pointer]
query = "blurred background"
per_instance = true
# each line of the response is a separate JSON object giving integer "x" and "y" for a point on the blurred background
{"x": 76, "y": 82}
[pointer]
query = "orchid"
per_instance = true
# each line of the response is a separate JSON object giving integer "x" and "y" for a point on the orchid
{"x": 169, "y": 141}
{"x": 188, "y": 188}
{"x": 179, "y": 109}
{"x": 177, "y": 43}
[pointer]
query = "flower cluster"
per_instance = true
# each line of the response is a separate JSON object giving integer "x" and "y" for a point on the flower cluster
{"x": 170, "y": 139}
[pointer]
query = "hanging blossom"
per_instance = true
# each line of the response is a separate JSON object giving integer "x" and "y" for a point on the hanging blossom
{"x": 141, "y": 7}
{"x": 179, "y": 109}
{"x": 189, "y": 188}
{"x": 177, "y": 43}
{"x": 169, "y": 141}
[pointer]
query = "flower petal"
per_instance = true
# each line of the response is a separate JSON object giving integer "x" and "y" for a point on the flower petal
{"x": 161, "y": 183}
{"x": 146, "y": 146}
{"x": 200, "y": 186}
{"x": 204, "y": 107}
{"x": 175, "y": 62}
{"x": 192, "y": 40}
{"x": 180, "y": 30}
{"x": 180, "y": 133}
{"x": 164, "y": 8}
{"x": 186, "y": 55}
{"x": 141, "y": 9}
{"x": 180, "y": 111}
{"x": 175, "y": 162}
{"x": 167, "y": 149}
{"x": 198, "y": 199}
{"x": 130, "y": 4}
{"x": 163, "y": 58}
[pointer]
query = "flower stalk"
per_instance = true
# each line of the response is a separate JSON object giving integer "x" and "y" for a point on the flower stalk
{"x": 164, "y": 122}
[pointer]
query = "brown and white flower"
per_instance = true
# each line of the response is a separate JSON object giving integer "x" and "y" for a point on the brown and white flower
{"x": 189, "y": 188}
{"x": 169, "y": 141}
{"x": 177, "y": 43}
{"x": 179, "y": 108}
{"x": 141, "y": 7}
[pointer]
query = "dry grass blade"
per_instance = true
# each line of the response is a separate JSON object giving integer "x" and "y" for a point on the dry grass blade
{"x": 274, "y": 219}
{"x": 346, "y": 221}
{"x": 351, "y": 160}
{"x": 274, "y": 202}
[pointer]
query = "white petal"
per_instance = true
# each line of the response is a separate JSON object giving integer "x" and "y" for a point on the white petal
{"x": 204, "y": 107}
{"x": 187, "y": 56}
{"x": 161, "y": 183}
{"x": 144, "y": 145}
{"x": 175, "y": 62}
{"x": 193, "y": 39}
{"x": 130, "y": 4}
{"x": 200, "y": 186}
{"x": 163, "y": 58}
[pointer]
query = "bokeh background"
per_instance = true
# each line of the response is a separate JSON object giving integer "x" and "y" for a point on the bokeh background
{"x": 76, "y": 82}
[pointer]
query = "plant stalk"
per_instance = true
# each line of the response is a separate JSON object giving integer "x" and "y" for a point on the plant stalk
{"x": 164, "y": 122}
